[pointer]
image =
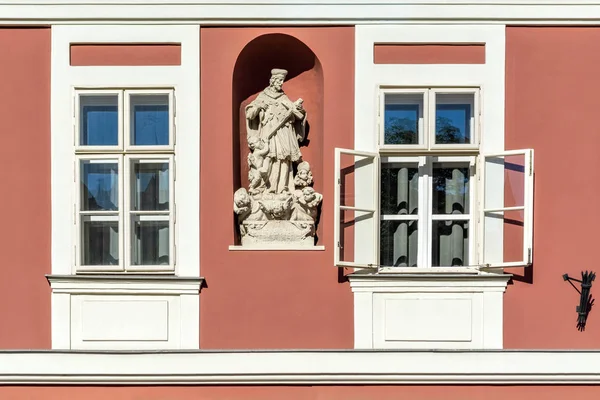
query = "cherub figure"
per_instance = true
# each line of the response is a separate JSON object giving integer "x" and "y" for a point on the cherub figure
{"x": 304, "y": 176}
{"x": 256, "y": 162}
{"x": 306, "y": 206}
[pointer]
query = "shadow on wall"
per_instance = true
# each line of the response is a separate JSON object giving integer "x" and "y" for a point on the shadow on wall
{"x": 251, "y": 75}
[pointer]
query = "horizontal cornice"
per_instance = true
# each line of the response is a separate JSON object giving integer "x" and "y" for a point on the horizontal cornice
{"x": 300, "y": 367}
{"x": 330, "y": 12}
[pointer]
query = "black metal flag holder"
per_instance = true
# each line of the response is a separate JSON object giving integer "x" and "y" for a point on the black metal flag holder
{"x": 585, "y": 298}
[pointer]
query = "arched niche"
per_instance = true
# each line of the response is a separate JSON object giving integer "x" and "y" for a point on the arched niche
{"x": 251, "y": 75}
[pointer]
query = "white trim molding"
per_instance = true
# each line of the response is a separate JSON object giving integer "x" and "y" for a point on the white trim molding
{"x": 300, "y": 368}
{"x": 301, "y": 12}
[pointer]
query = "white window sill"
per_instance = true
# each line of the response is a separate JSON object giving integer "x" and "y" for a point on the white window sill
{"x": 125, "y": 312}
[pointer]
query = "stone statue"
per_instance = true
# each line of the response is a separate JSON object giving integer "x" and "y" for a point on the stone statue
{"x": 278, "y": 208}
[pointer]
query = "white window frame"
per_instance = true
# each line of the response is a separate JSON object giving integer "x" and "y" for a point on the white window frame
{"x": 179, "y": 288}
{"x": 125, "y": 154}
{"x": 427, "y": 122}
{"x": 425, "y": 155}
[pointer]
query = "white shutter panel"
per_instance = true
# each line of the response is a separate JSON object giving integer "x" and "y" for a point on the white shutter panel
{"x": 356, "y": 214}
{"x": 506, "y": 213}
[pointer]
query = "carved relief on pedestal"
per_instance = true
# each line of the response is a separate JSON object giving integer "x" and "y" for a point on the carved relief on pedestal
{"x": 278, "y": 208}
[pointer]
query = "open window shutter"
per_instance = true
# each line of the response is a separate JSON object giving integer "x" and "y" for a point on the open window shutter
{"x": 506, "y": 214}
{"x": 356, "y": 220}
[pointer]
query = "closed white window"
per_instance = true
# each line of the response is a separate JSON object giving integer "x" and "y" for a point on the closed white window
{"x": 124, "y": 175}
{"x": 429, "y": 198}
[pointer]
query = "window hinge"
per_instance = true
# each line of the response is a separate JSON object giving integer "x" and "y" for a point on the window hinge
{"x": 174, "y": 169}
{"x": 174, "y": 104}
{"x": 529, "y": 256}
{"x": 174, "y": 254}
{"x": 174, "y": 132}
{"x": 530, "y": 165}
{"x": 339, "y": 245}
{"x": 340, "y": 181}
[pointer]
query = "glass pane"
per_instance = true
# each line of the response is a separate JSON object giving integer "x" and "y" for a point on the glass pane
{"x": 100, "y": 243}
{"x": 357, "y": 181}
{"x": 99, "y": 120}
{"x": 150, "y": 243}
{"x": 450, "y": 243}
{"x": 99, "y": 186}
{"x": 453, "y": 118}
{"x": 398, "y": 244}
{"x": 403, "y": 115}
{"x": 399, "y": 188}
{"x": 503, "y": 234}
{"x": 505, "y": 181}
{"x": 150, "y": 120}
{"x": 150, "y": 186}
{"x": 450, "y": 188}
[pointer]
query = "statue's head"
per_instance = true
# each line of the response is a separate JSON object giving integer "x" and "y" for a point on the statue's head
{"x": 241, "y": 199}
{"x": 304, "y": 172}
{"x": 254, "y": 142}
{"x": 309, "y": 194}
{"x": 277, "y": 77}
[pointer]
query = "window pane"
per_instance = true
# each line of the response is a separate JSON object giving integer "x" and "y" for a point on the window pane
{"x": 150, "y": 186}
{"x": 99, "y": 186}
{"x": 100, "y": 243}
{"x": 149, "y": 120}
{"x": 453, "y": 118}
{"x": 399, "y": 188}
{"x": 398, "y": 243}
{"x": 403, "y": 115}
{"x": 505, "y": 181}
{"x": 99, "y": 120}
{"x": 450, "y": 243}
{"x": 150, "y": 243}
{"x": 450, "y": 188}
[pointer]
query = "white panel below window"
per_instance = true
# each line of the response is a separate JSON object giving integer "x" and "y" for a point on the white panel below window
{"x": 125, "y": 312}
{"x": 428, "y": 311}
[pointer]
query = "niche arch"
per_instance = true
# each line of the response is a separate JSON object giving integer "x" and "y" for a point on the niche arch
{"x": 251, "y": 75}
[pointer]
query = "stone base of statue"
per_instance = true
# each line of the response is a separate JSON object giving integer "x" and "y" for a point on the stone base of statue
{"x": 277, "y": 220}
{"x": 278, "y": 233}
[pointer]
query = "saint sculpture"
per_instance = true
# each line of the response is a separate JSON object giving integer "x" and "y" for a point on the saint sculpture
{"x": 278, "y": 208}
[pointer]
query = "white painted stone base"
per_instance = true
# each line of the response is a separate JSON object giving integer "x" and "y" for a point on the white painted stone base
{"x": 133, "y": 312}
{"x": 427, "y": 310}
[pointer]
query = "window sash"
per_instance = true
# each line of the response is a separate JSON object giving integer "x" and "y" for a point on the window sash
{"x": 77, "y": 119}
{"x": 124, "y": 120}
{"x": 425, "y": 216}
{"x": 427, "y": 136}
{"x": 528, "y": 180}
{"x": 127, "y": 120}
{"x": 371, "y": 236}
{"x": 125, "y": 214}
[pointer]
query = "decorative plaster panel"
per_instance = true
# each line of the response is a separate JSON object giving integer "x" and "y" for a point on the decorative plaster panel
{"x": 418, "y": 311}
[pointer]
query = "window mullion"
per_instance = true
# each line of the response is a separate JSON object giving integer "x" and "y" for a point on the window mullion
{"x": 124, "y": 220}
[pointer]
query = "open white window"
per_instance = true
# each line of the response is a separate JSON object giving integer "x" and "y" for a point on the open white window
{"x": 356, "y": 209}
{"x": 427, "y": 211}
{"x": 506, "y": 213}
{"x": 124, "y": 180}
